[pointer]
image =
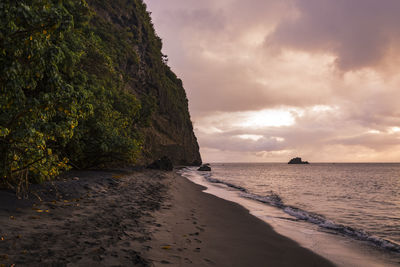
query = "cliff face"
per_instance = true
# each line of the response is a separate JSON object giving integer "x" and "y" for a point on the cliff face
{"x": 126, "y": 26}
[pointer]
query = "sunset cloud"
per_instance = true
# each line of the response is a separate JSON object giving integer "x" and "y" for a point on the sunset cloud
{"x": 268, "y": 80}
{"x": 358, "y": 33}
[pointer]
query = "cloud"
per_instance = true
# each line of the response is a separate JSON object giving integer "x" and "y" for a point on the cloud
{"x": 359, "y": 33}
{"x": 319, "y": 133}
{"x": 332, "y": 63}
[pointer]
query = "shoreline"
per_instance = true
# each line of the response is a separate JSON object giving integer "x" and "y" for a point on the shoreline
{"x": 201, "y": 229}
{"x": 146, "y": 218}
{"x": 340, "y": 249}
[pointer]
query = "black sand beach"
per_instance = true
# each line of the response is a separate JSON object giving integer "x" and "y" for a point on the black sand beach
{"x": 147, "y": 218}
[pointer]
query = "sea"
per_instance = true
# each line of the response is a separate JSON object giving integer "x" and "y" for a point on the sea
{"x": 346, "y": 212}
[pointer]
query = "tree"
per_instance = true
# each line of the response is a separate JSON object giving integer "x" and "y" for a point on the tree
{"x": 62, "y": 96}
{"x": 40, "y": 101}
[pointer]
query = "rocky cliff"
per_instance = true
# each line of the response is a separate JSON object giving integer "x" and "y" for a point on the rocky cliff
{"x": 125, "y": 25}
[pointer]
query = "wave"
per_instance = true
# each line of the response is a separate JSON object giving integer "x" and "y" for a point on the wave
{"x": 216, "y": 181}
{"x": 322, "y": 222}
{"x": 273, "y": 199}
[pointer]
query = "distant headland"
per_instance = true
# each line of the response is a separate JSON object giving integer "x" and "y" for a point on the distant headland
{"x": 297, "y": 160}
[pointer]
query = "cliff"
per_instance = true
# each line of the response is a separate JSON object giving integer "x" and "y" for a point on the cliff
{"x": 168, "y": 130}
{"x": 84, "y": 84}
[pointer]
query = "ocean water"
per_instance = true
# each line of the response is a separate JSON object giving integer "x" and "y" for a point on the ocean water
{"x": 355, "y": 200}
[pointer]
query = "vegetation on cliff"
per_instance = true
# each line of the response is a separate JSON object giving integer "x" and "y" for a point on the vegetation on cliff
{"x": 79, "y": 88}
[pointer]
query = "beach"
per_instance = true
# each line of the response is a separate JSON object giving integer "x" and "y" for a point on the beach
{"x": 137, "y": 218}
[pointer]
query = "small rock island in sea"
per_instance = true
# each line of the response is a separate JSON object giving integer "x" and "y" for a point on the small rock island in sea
{"x": 297, "y": 161}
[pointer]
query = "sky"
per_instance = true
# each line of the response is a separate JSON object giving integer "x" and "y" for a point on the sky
{"x": 268, "y": 80}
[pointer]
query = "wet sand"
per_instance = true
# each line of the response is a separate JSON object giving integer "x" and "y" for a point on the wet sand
{"x": 147, "y": 218}
{"x": 203, "y": 230}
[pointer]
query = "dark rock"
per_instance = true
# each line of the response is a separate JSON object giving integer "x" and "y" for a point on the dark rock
{"x": 205, "y": 168}
{"x": 163, "y": 163}
{"x": 297, "y": 160}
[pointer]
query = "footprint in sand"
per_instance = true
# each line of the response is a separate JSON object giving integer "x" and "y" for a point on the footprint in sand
{"x": 199, "y": 228}
{"x": 193, "y": 234}
{"x": 208, "y": 261}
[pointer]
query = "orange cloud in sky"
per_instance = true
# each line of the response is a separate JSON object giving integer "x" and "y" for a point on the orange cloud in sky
{"x": 268, "y": 80}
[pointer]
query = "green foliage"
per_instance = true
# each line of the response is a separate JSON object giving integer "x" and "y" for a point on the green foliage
{"x": 79, "y": 83}
{"x": 61, "y": 97}
{"x": 39, "y": 104}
